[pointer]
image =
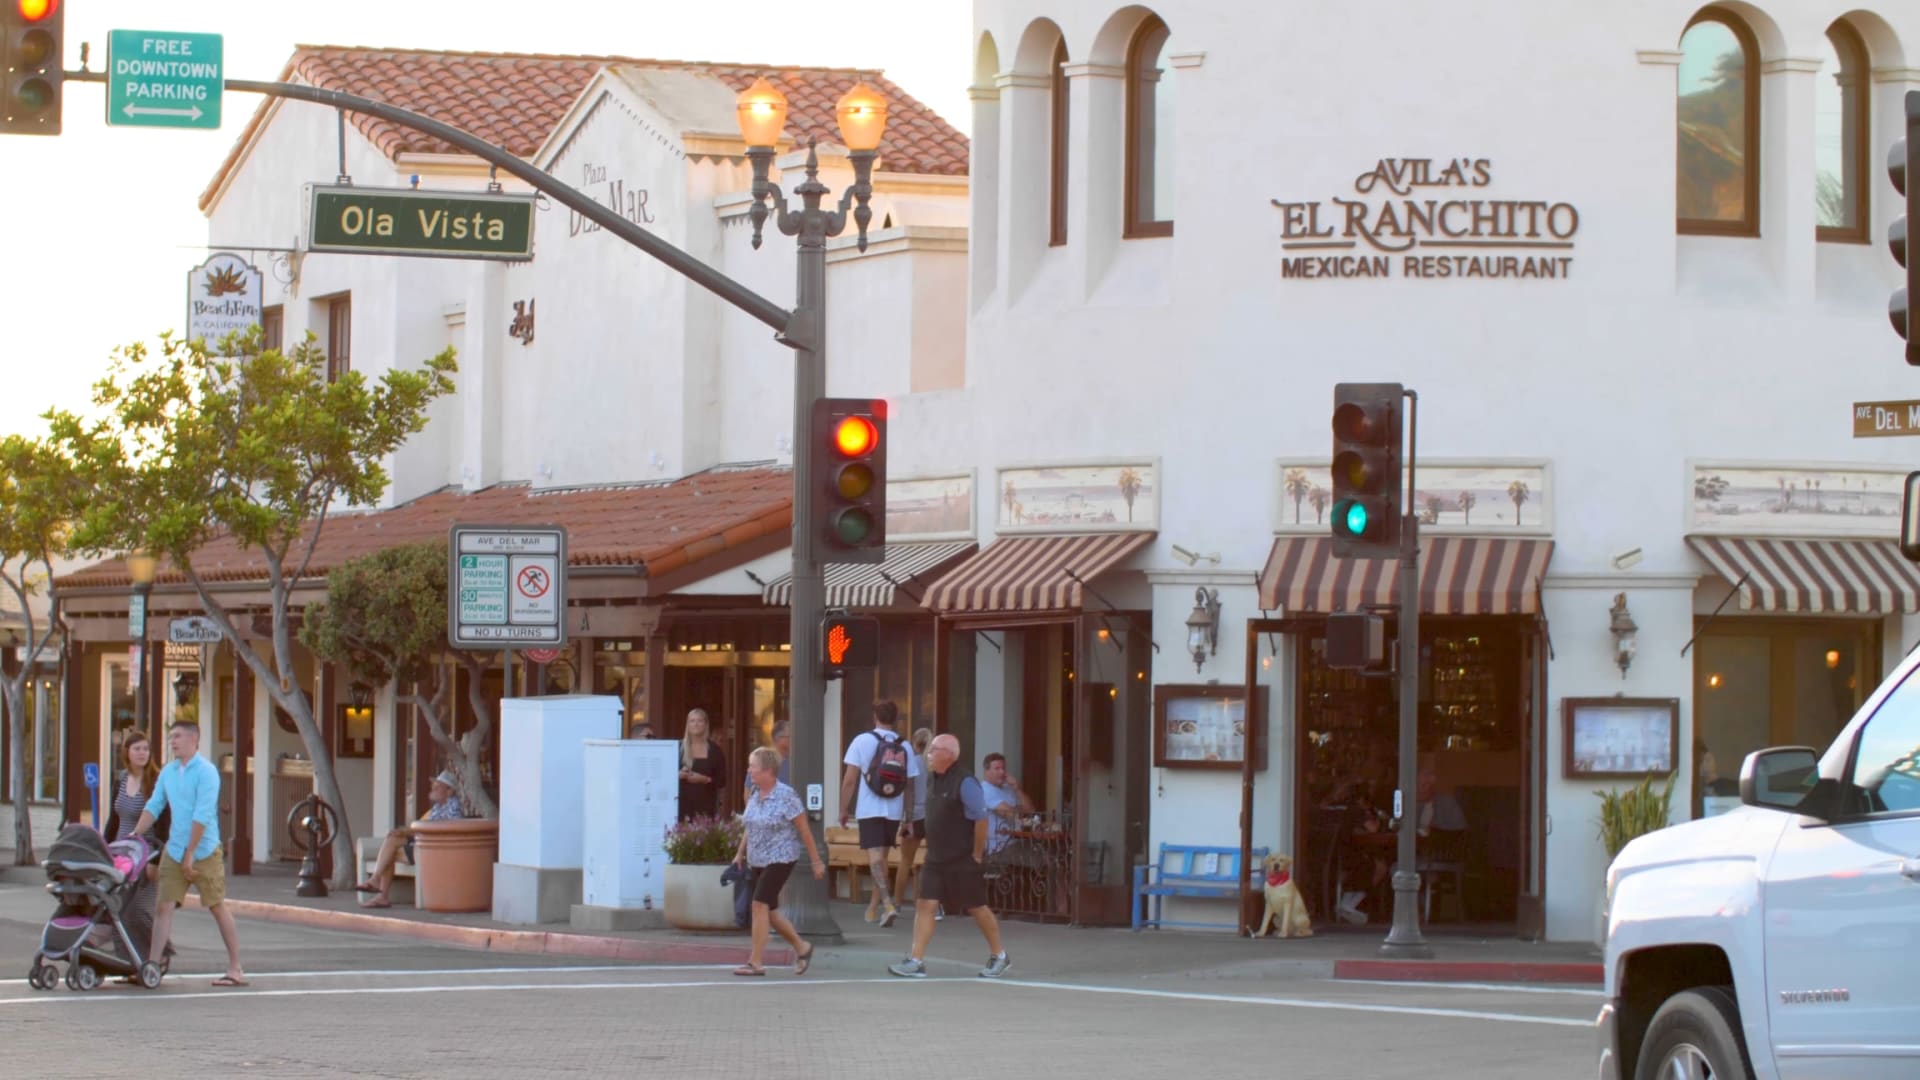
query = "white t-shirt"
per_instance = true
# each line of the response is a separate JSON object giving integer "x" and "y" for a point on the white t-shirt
{"x": 859, "y": 755}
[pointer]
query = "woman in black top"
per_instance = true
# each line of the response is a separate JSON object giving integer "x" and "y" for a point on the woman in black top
{"x": 131, "y": 790}
{"x": 703, "y": 769}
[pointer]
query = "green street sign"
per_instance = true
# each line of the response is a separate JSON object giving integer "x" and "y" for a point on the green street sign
{"x": 159, "y": 78}
{"x": 407, "y": 221}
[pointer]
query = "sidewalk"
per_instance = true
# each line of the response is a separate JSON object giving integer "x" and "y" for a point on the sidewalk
{"x": 1060, "y": 951}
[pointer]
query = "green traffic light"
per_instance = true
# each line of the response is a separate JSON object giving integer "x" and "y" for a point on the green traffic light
{"x": 852, "y": 527}
{"x": 1356, "y": 519}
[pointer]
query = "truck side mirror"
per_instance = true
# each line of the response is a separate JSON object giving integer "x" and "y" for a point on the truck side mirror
{"x": 1780, "y": 778}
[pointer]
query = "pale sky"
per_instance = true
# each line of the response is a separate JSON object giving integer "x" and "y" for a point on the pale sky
{"x": 102, "y": 224}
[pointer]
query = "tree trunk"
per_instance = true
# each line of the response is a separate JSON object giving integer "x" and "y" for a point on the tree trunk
{"x": 14, "y": 714}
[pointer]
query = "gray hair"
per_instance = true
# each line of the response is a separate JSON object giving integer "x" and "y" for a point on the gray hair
{"x": 766, "y": 757}
{"x": 947, "y": 741}
{"x": 782, "y": 728}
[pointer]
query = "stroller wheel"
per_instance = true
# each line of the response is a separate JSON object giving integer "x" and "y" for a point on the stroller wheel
{"x": 43, "y": 976}
{"x": 87, "y": 977}
{"x": 73, "y": 977}
{"x": 150, "y": 975}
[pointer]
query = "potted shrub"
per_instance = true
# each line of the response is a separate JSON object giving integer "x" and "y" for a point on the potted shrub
{"x": 1625, "y": 815}
{"x": 698, "y": 851}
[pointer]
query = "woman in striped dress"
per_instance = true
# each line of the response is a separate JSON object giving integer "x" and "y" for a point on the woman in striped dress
{"x": 131, "y": 790}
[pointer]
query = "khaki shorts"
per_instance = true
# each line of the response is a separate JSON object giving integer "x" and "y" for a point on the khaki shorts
{"x": 209, "y": 880}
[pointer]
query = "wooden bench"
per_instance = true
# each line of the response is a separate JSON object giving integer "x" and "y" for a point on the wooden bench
{"x": 845, "y": 857}
{"x": 1189, "y": 872}
{"x": 366, "y": 851}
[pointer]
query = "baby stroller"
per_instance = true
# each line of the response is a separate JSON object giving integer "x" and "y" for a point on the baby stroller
{"x": 95, "y": 883}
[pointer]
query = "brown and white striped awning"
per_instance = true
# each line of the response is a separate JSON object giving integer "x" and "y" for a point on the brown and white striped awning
{"x": 1031, "y": 573}
{"x": 1859, "y": 577}
{"x": 868, "y": 585}
{"x": 1459, "y": 575}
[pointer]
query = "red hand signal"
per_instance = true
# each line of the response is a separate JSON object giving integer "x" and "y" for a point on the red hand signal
{"x": 837, "y": 644}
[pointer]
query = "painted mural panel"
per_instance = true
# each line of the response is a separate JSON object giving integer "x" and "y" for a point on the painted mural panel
{"x": 1462, "y": 498}
{"x": 930, "y": 508}
{"x": 1756, "y": 498}
{"x": 1078, "y": 497}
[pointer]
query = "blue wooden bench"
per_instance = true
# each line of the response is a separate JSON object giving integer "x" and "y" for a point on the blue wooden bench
{"x": 1202, "y": 873}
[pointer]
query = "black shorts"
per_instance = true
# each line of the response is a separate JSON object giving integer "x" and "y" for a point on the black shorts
{"x": 877, "y": 832}
{"x": 768, "y": 880}
{"x": 959, "y": 886}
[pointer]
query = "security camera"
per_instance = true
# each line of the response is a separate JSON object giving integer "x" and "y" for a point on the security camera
{"x": 1184, "y": 555}
{"x": 1628, "y": 559}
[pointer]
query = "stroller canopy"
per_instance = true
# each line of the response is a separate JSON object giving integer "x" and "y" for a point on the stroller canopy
{"x": 79, "y": 844}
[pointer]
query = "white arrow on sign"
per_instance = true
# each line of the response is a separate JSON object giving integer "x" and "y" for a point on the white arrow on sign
{"x": 148, "y": 110}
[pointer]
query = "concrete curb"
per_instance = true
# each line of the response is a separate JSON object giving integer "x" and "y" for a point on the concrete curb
{"x": 503, "y": 941}
{"x": 1470, "y": 971}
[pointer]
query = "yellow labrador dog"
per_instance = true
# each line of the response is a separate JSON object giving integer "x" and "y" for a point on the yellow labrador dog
{"x": 1285, "y": 907}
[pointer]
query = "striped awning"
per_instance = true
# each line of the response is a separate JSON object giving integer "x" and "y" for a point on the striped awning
{"x": 1459, "y": 575}
{"x": 862, "y": 585}
{"x": 1862, "y": 577}
{"x": 1031, "y": 573}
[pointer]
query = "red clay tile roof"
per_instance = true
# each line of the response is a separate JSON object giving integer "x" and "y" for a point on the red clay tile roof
{"x": 515, "y": 99}
{"x": 660, "y": 526}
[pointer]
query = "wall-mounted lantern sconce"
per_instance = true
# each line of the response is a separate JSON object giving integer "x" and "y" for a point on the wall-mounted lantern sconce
{"x": 1623, "y": 630}
{"x": 1203, "y": 626}
{"x": 361, "y": 695}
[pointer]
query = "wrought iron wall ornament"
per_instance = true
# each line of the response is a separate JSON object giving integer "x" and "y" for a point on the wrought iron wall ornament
{"x": 522, "y": 325}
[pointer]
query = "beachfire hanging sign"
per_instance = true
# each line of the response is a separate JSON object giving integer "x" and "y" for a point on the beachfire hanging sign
{"x": 223, "y": 297}
{"x": 1427, "y": 218}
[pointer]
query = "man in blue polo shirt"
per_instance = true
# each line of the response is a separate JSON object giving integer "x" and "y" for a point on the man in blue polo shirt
{"x": 191, "y": 785}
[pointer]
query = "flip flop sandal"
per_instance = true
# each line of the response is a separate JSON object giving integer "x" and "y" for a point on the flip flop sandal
{"x": 366, "y": 886}
{"x": 801, "y": 963}
{"x": 749, "y": 969}
{"x": 228, "y": 981}
{"x": 376, "y": 903}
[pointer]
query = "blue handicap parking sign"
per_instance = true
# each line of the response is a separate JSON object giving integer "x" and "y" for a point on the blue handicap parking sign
{"x": 90, "y": 774}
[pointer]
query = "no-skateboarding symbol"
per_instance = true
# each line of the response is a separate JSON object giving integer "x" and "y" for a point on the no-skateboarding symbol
{"x": 508, "y": 591}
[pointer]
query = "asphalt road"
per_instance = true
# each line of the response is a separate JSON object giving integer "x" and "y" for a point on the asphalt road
{"x": 328, "y": 1004}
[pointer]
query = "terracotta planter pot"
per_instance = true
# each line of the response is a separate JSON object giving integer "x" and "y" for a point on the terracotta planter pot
{"x": 455, "y": 860}
{"x": 696, "y": 900}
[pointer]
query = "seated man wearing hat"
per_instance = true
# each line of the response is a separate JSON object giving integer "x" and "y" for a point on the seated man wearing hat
{"x": 446, "y": 807}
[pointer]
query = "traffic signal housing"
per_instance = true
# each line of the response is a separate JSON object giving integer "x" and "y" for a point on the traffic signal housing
{"x": 847, "y": 642}
{"x": 1366, "y": 470}
{"x": 32, "y": 36}
{"x": 1903, "y": 167}
{"x": 849, "y": 482}
{"x": 1356, "y": 641}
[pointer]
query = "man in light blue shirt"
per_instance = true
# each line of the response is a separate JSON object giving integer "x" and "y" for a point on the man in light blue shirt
{"x": 191, "y": 786}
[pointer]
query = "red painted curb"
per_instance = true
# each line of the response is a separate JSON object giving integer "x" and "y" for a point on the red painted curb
{"x": 503, "y": 941}
{"x": 1469, "y": 971}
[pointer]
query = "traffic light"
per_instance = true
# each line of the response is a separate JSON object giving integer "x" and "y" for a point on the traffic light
{"x": 848, "y": 641}
{"x": 1903, "y": 166}
{"x": 31, "y": 52}
{"x": 1366, "y": 470}
{"x": 1910, "y": 518}
{"x": 850, "y": 479}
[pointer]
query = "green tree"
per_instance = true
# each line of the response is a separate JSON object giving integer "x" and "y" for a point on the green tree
{"x": 184, "y": 446}
{"x": 39, "y": 495}
{"x": 385, "y": 619}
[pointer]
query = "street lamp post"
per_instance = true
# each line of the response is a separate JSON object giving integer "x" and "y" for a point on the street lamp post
{"x": 862, "y": 115}
{"x": 142, "y": 568}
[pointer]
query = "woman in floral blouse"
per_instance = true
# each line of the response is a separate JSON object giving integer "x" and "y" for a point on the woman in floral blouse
{"x": 775, "y": 834}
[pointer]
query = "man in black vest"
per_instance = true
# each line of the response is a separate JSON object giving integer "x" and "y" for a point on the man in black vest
{"x": 956, "y": 848}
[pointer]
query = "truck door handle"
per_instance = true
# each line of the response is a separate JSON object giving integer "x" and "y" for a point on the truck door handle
{"x": 1911, "y": 869}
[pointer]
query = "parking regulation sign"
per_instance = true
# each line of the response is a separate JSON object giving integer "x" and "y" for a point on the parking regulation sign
{"x": 507, "y": 587}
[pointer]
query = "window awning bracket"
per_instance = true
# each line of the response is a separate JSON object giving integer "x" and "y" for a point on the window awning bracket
{"x": 1731, "y": 593}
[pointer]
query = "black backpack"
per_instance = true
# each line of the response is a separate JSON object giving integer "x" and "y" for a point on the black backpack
{"x": 887, "y": 771}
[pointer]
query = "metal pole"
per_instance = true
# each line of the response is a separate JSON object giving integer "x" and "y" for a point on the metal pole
{"x": 137, "y": 671}
{"x": 1404, "y": 940}
{"x": 807, "y": 684}
{"x": 1252, "y": 700}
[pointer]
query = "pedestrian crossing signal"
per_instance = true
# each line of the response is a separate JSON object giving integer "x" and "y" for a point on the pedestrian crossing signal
{"x": 848, "y": 641}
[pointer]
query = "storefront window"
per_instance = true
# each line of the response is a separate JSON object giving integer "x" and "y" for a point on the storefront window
{"x": 619, "y": 671}
{"x": 45, "y": 739}
{"x": 1840, "y": 123}
{"x": 1772, "y": 684}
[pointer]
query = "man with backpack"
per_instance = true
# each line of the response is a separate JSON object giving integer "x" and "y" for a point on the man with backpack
{"x": 881, "y": 769}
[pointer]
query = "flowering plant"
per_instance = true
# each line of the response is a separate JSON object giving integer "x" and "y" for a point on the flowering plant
{"x": 706, "y": 840}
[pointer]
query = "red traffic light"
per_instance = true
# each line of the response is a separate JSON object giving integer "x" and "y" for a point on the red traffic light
{"x": 1356, "y": 423}
{"x": 35, "y": 10}
{"x": 855, "y": 436}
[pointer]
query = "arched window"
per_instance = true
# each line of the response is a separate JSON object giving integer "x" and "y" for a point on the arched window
{"x": 1840, "y": 137}
{"x": 1719, "y": 120}
{"x": 1149, "y": 132}
{"x": 1057, "y": 177}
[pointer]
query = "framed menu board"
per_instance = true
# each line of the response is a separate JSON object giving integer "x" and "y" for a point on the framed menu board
{"x": 1620, "y": 737}
{"x": 1205, "y": 727}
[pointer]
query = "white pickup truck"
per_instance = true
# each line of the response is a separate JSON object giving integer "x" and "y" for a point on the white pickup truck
{"x": 1781, "y": 939}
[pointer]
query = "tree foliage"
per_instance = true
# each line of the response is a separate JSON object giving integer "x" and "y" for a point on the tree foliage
{"x": 184, "y": 446}
{"x": 385, "y": 620}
